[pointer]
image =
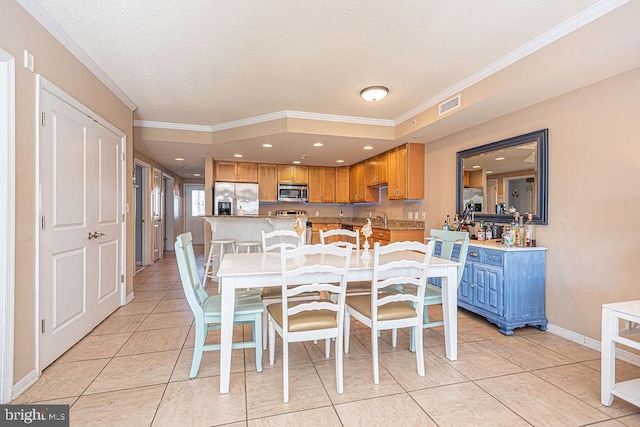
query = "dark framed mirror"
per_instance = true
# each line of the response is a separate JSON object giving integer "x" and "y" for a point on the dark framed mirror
{"x": 498, "y": 179}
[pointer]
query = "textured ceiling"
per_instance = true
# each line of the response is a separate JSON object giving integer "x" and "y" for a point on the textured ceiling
{"x": 205, "y": 62}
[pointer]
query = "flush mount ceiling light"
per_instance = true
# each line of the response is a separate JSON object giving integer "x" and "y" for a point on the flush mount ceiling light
{"x": 374, "y": 93}
{"x": 180, "y": 159}
{"x": 318, "y": 144}
{"x": 367, "y": 147}
{"x": 237, "y": 155}
{"x": 339, "y": 161}
{"x": 267, "y": 145}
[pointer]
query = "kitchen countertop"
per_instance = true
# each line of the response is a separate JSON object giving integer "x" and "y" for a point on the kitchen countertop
{"x": 392, "y": 224}
{"x": 497, "y": 244}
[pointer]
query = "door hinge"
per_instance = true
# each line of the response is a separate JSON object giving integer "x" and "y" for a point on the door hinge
{"x": 42, "y": 328}
{"x": 43, "y": 222}
{"x": 43, "y": 119}
{"x": 122, "y": 217}
{"x": 122, "y": 278}
{"x": 122, "y": 155}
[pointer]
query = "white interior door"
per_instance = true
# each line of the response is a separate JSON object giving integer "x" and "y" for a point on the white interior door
{"x": 81, "y": 225}
{"x": 158, "y": 230}
{"x": 108, "y": 219}
{"x": 194, "y": 211}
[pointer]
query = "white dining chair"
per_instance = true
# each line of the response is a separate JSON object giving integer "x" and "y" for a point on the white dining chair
{"x": 382, "y": 310}
{"x": 274, "y": 241}
{"x": 311, "y": 268}
{"x": 347, "y": 238}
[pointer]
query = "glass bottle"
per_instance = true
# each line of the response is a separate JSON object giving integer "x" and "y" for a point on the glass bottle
{"x": 446, "y": 226}
{"x": 521, "y": 238}
{"x": 481, "y": 232}
{"x": 530, "y": 231}
{"x": 456, "y": 223}
{"x": 488, "y": 234}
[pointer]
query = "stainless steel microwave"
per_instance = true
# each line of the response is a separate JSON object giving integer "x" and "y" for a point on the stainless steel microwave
{"x": 292, "y": 192}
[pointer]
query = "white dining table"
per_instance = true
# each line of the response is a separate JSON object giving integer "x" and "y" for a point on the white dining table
{"x": 258, "y": 270}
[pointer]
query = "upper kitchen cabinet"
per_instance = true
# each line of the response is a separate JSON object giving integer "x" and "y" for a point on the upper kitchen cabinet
{"x": 376, "y": 170}
{"x": 358, "y": 190}
{"x": 406, "y": 172}
{"x": 322, "y": 184}
{"x": 293, "y": 173}
{"x": 268, "y": 180}
{"x": 236, "y": 172}
{"x": 342, "y": 184}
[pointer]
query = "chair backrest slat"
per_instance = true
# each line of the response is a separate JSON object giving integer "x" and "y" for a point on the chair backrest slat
{"x": 348, "y": 238}
{"x": 448, "y": 240}
{"x": 275, "y": 239}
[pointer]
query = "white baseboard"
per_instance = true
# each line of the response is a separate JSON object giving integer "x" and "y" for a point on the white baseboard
{"x": 26, "y": 382}
{"x": 129, "y": 298}
{"x": 623, "y": 355}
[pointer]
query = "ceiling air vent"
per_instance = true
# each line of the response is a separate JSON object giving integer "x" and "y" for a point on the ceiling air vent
{"x": 450, "y": 104}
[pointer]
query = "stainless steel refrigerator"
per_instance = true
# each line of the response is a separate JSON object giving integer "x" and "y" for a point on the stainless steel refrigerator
{"x": 235, "y": 198}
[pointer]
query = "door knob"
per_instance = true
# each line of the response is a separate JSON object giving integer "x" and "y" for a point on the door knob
{"x": 95, "y": 235}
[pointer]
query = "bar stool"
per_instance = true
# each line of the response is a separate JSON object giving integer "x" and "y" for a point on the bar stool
{"x": 208, "y": 270}
{"x": 249, "y": 245}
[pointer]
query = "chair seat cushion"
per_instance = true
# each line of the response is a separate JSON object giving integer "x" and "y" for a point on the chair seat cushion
{"x": 364, "y": 286}
{"x": 275, "y": 292}
{"x": 251, "y": 303}
{"x": 306, "y": 320}
{"x": 390, "y": 311}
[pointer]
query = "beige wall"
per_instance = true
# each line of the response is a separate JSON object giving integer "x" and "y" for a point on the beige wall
{"x": 594, "y": 151}
{"x": 18, "y": 32}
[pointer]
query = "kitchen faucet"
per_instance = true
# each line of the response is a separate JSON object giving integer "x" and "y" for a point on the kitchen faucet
{"x": 384, "y": 218}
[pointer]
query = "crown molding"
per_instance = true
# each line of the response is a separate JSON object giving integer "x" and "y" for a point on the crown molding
{"x": 173, "y": 126}
{"x": 40, "y": 15}
{"x": 588, "y": 15}
{"x": 285, "y": 114}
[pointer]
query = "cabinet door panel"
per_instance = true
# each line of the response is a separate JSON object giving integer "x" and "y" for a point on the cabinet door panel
{"x": 488, "y": 289}
{"x": 268, "y": 184}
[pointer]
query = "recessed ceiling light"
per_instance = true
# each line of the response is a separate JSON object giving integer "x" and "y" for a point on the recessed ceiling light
{"x": 499, "y": 158}
{"x": 489, "y": 172}
{"x": 297, "y": 162}
{"x": 237, "y": 155}
{"x": 318, "y": 144}
{"x": 339, "y": 161}
{"x": 367, "y": 147}
{"x": 180, "y": 159}
{"x": 196, "y": 174}
{"x": 267, "y": 145}
{"x": 477, "y": 167}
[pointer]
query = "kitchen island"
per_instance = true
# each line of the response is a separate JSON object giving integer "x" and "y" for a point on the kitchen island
{"x": 246, "y": 228}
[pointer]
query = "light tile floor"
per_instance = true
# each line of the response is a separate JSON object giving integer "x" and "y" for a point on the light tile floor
{"x": 133, "y": 370}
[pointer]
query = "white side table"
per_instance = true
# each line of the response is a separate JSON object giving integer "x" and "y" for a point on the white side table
{"x": 612, "y": 314}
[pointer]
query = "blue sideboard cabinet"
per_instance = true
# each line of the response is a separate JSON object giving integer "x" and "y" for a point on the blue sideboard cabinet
{"x": 505, "y": 285}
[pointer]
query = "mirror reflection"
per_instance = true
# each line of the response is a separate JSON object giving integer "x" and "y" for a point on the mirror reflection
{"x": 499, "y": 179}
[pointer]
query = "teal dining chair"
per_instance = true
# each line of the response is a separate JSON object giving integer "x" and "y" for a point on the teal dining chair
{"x": 206, "y": 308}
{"x": 433, "y": 294}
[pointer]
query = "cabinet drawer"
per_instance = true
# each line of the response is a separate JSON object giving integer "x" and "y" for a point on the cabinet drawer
{"x": 379, "y": 234}
{"x": 473, "y": 254}
{"x": 492, "y": 257}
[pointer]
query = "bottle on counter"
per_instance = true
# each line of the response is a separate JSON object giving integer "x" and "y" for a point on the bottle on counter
{"x": 481, "y": 231}
{"x": 509, "y": 234}
{"x": 446, "y": 226}
{"x": 488, "y": 234}
{"x": 521, "y": 238}
{"x": 530, "y": 231}
{"x": 456, "y": 223}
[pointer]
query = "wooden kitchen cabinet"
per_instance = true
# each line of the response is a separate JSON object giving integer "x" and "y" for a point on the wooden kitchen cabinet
{"x": 322, "y": 184}
{"x": 406, "y": 172}
{"x": 386, "y": 236}
{"x": 293, "y": 173}
{"x": 376, "y": 170}
{"x": 268, "y": 182}
{"x": 342, "y": 184}
{"x": 358, "y": 190}
{"x": 236, "y": 172}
